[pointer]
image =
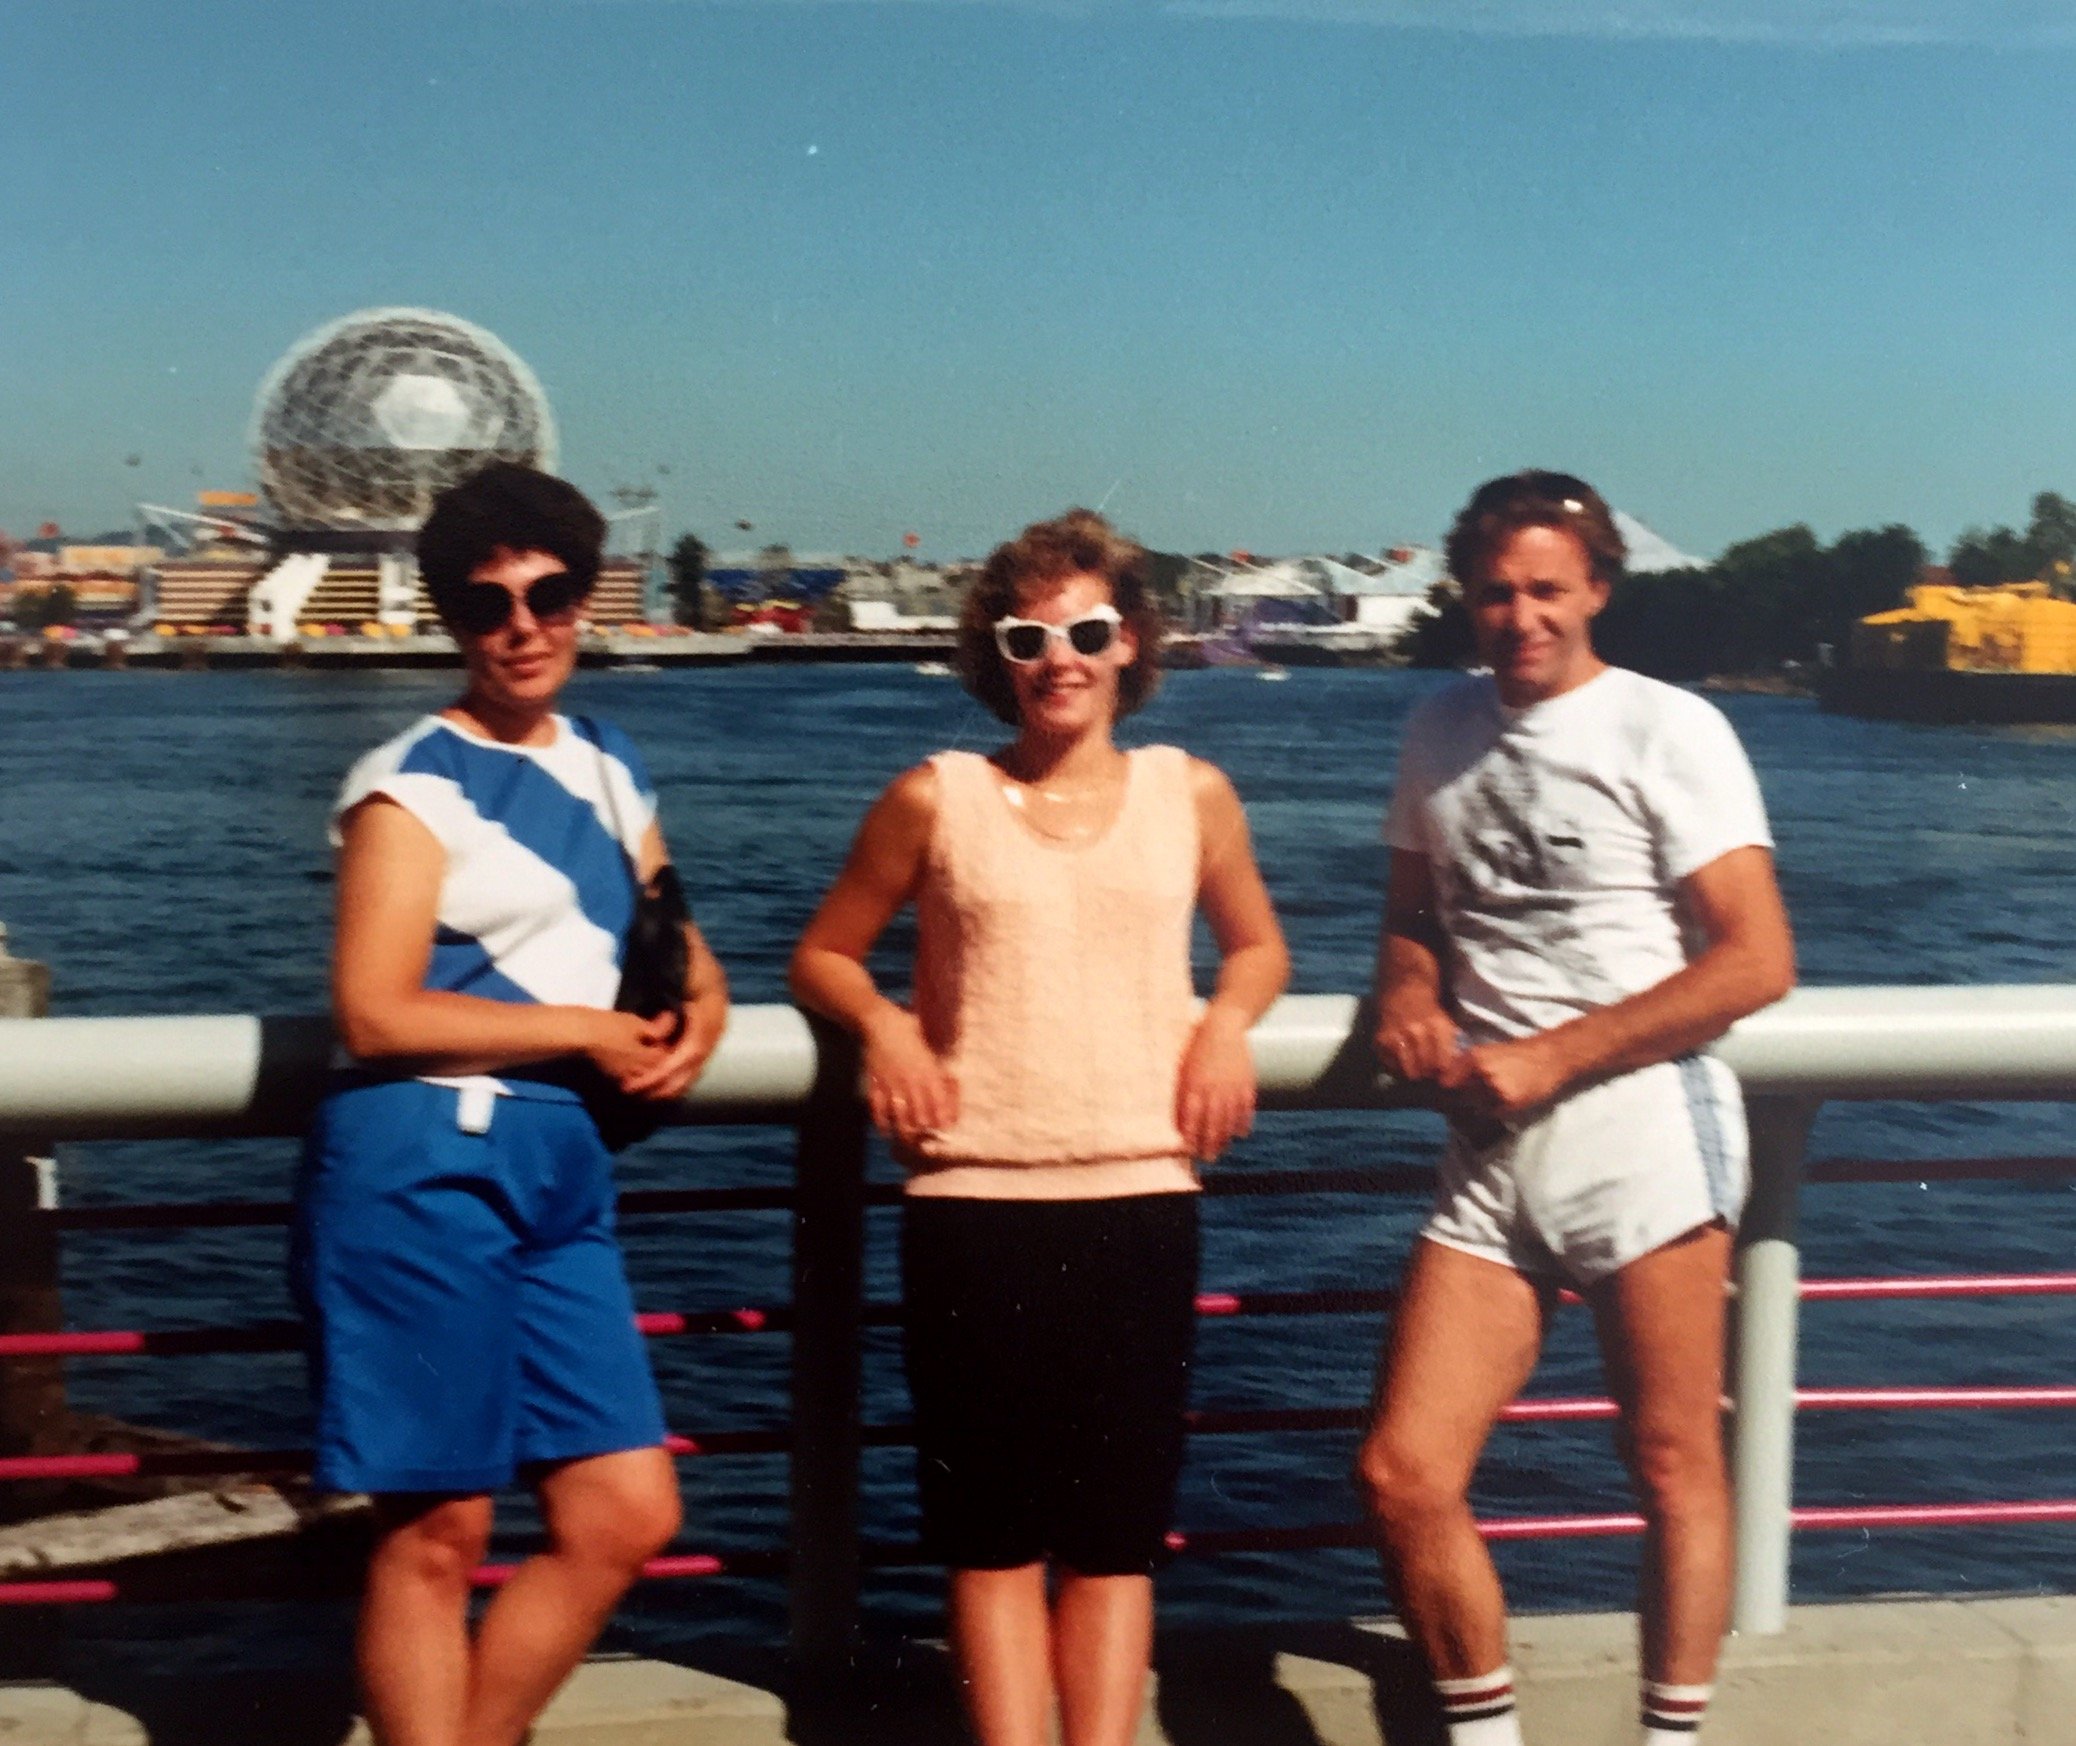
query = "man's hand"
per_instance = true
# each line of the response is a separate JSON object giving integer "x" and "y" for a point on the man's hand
{"x": 1502, "y": 1081}
{"x": 1417, "y": 1043}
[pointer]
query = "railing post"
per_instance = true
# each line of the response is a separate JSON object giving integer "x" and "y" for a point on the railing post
{"x": 1769, "y": 1286}
{"x": 828, "y": 1327}
{"x": 32, "y": 1390}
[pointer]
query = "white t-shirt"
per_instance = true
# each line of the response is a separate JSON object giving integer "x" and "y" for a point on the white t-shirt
{"x": 1558, "y": 835}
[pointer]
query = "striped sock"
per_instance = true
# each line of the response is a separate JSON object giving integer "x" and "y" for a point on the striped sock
{"x": 1480, "y": 1712}
{"x": 1672, "y": 1713}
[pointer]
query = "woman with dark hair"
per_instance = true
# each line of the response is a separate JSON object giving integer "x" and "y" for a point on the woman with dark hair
{"x": 1049, "y": 1089}
{"x": 469, "y": 1315}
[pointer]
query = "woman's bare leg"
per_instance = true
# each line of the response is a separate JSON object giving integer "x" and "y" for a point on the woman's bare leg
{"x": 412, "y": 1644}
{"x": 606, "y": 1516}
{"x": 1102, "y": 1645}
{"x": 1001, "y": 1634}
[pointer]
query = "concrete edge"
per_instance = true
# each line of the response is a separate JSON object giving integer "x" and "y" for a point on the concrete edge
{"x": 1931, "y": 1672}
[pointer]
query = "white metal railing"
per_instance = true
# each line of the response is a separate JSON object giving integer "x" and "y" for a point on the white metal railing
{"x": 102, "y": 1078}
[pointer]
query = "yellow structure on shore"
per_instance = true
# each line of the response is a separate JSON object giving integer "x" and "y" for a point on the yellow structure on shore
{"x": 2016, "y": 627}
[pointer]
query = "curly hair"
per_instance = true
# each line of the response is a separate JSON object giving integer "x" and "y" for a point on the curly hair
{"x": 507, "y": 507}
{"x": 1501, "y": 508}
{"x": 1044, "y": 555}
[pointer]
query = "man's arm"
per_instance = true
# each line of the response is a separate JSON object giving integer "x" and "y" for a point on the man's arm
{"x": 1747, "y": 963}
{"x": 1416, "y": 1037}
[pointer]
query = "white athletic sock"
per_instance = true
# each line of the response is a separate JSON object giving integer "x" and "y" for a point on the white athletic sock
{"x": 1480, "y": 1712}
{"x": 1672, "y": 1713}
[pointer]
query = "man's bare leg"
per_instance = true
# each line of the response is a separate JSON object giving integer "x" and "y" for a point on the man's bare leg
{"x": 1661, "y": 1336}
{"x": 1464, "y": 1339}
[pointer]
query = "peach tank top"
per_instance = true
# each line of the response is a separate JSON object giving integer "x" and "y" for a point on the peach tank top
{"x": 1053, "y": 980}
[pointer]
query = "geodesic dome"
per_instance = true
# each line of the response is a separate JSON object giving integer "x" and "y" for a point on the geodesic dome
{"x": 363, "y": 422}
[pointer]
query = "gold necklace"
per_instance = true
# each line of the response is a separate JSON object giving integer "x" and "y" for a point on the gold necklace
{"x": 1016, "y": 790}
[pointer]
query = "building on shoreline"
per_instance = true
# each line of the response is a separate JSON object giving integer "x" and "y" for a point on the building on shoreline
{"x": 355, "y": 431}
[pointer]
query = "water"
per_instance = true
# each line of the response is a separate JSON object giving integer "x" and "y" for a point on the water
{"x": 162, "y": 847}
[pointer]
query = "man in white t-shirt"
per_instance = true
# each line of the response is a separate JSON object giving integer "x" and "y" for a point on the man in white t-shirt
{"x": 1581, "y": 898}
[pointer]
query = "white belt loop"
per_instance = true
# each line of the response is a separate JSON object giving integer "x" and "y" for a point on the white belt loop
{"x": 475, "y": 1105}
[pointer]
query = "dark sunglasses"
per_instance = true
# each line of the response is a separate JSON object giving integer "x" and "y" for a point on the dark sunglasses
{"x": 482, "y": 607}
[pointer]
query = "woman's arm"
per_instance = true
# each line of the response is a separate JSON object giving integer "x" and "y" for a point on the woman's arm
{"x": 1214, "y": 1101}
{"x": 906, "y": 1087}
{"x": 390, "y": 868}
{"x": 706, "y": 1001}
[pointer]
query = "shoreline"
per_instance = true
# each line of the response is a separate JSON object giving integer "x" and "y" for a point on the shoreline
{"x": 380, "y": 654}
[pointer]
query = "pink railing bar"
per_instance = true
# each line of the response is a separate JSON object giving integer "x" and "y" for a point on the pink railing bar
{"x": 56, "y": 1594}
{"x": 130, "y": 1464}
{"x": 1342, "y": 1534}
{"x": 1209, "y": 1421}
{"x": 656, "y": 1570}
{"x": 1930, "y": 1399}
{"x": 100, "y": 1590}
{"x": 1962, "y": 1515}
{"x": 1330, "y": 1302}
{"x": 1942, "y": 1285}
{"x": 748, "y": 1320}
{"x": 155, "y": 1342}
{"x": 288, "y": 1336}
{"x": 771, "y": 1318}
{"x": 1813, "y": 1518}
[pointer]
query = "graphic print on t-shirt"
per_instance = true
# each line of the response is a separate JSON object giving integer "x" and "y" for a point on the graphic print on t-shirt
{"x": 1558, "y": 838}
{"x": 1515, "y": 879}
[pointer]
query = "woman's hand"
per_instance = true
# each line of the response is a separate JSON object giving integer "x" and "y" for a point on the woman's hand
{"x": 1214, "y": 1095}
{"x": 907, "y": 1088}
{"x": 696, "y": 1029}
{"x": 697, "y": 1033}
{"x": 628, "y": 1048}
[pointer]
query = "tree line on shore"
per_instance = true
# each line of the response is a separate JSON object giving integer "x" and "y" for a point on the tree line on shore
{"x": 1781, "y": 599}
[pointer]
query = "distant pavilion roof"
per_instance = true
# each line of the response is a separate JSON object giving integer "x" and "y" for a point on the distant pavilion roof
{"x": 1650, "y": 551}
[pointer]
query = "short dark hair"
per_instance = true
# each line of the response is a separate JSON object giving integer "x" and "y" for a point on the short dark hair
{"x": 1045, "y": 554}
{"x": 1501, "y": 508}
{"x": 507, "y": 507}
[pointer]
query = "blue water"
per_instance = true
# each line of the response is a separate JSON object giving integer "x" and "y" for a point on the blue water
{"x": 162, "y": 847}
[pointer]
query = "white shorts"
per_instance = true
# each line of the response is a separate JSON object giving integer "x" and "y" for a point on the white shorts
{"x": 1602, "y": 1178}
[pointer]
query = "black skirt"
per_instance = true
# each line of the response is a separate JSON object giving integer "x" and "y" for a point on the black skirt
{"x": 1048, "y": 1347}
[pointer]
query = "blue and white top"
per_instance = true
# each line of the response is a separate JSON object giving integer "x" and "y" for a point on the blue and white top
{"x": 539, "y": 889}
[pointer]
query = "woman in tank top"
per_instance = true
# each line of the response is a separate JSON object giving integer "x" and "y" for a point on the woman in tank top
{"x": 1049, "y": 1088}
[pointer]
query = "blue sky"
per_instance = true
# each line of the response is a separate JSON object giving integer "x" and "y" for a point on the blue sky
{"x": 1288, "y": 274}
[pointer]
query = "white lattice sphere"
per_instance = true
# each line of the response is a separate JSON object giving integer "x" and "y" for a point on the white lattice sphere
{"x": 362, "y": 423}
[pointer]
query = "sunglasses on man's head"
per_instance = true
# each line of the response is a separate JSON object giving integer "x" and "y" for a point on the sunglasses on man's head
{"x": 482, "y": 607}
{"x": 1023, "y": 640}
